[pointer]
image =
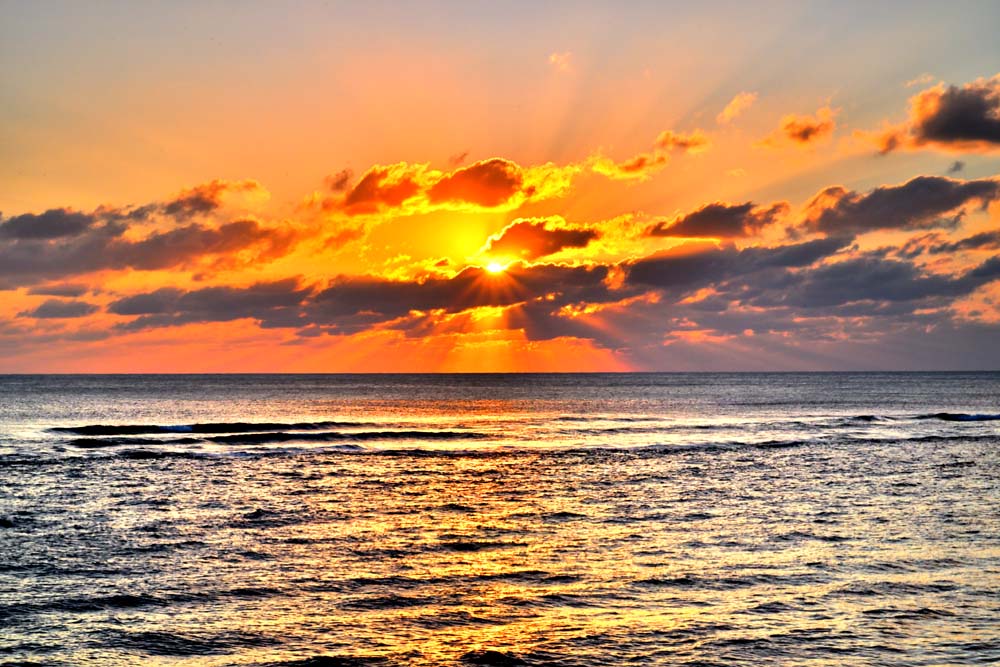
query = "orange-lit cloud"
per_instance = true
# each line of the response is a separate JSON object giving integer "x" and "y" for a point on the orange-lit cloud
{"x": 638, "y": 167}
{"x": 561, "y": 62}
{"x": 804, "y": 130}
{"x": 950, "y": 118}
{"x": 644, "y": 165}
{"x": 695, "y": 142}
{"x": 383, "y": 187}
{"x": 488, "y": 183}
{"x": 740, "y": 103}
{"x": 409, "y": 189}
{"x": 533, "y": 238}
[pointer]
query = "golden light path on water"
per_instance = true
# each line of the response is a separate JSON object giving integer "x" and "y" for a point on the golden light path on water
{"x": 823, "y": 537}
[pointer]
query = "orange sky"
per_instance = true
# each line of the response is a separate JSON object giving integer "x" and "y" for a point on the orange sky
{"x": 187, "y": 199}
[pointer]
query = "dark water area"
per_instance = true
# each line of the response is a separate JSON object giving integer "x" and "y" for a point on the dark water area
{"x": 570, "y": 520}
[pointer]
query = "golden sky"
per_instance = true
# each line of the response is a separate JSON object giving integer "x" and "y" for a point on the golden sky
{"x": 463, "y": 187}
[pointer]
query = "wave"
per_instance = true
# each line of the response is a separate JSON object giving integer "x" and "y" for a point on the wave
{"x": 492, "y": 658}
{"x": 609, "y": 418}
{"x": 208, "y": 428}
{"x": 332, "y": 661}
{"x": 336, "y": 436}
{"x": 279, "y": 437}
{"x": 961, "y": 417}
{"x": 176, "y": 644}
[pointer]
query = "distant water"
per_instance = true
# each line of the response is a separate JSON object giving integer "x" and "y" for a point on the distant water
{"x": 563, "y": 520}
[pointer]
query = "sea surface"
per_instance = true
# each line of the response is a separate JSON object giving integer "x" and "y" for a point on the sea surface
{"x": 563, "y": 520}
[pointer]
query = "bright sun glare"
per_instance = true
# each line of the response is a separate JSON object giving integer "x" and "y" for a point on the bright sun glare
{"x": 495, "y": 267}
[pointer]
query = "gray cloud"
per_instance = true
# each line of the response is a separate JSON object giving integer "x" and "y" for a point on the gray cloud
{"x": 57, "y": 309}
{"x": 959, "y": 115}
{"x": 54, "y": 223}
{"x": 270, "y": 303}
{"x": 721, "y": 220}
{"x": 924, "y": 202}
{"x": 60, "y": 289}
{"x": 26, "y": 261}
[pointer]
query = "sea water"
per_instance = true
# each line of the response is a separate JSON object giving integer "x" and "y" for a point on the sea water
{"x": 578, "y": 519}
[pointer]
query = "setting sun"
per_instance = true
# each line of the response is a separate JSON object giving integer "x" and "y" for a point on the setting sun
{"x": 495, "y": 267}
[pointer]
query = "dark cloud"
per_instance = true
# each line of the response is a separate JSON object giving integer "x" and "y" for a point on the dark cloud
{"x": 54, "y": 223}
{"x": 956, "y": 167}
{"x": 487, "y": 183}
{"x": 693, "y": 266}
{"x": 60, "y": 289}
{"x": 867, "y": 279}
{"x": 270, "y": 303}
{"x": 531, "y": 239}
{"x": 162, "y": 300}
{"x": 962, "y": 118}
{"x": 966, "y": 115}
{"x": 339, "y": 181}
{"x": 58, "y": 309}
{"x": 102, "y": 247}
{"x": 925, "y": 202}
{"x": 984, "y": 241}
{"x": 204, "y": 198}
{"x": 378, "y": 299}
{"x": 721, "y": 220}
{"x": 937, "y": 244}
{"x": 350, "y": 304}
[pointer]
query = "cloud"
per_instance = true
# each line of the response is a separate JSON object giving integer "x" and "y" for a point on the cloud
{"x": 952, "y": 118}
{"x": 639, "y": 167}
{"x": 382, "y": 186}
{"x": 60, "y": 289}
{"x": 695, "y": 142}
{"x": 371, "y": 299}
{"x": 937, "y": 244}
{"x": 925, "y": 202}
{"x": 820, "y": 285}
{"x": 721, "y": 220}
{"x": 804, "y": 130}
{"x": 105, "y": 245}
{"x": 206, "y": 198}
{"x": 872, "y": 279}
{"x": 695, "y": 265}
{"x": 53, "y": 224}
{"x": 921, "y": 80}
{"x": 58, "y": 309}
{"x": 642, "y": 166}
{"x": 409, "y": 189}
{"x": 956, "y": 167}
{"x": 740, "y": 103}
{"x": 533, "y": 238}
{"x": 272, "y": 303}
{"x": 339, "y": 181}
{"x": 488, "y": 183}
{"x": 561, "y": 62}
{"x": 966, "y": 116}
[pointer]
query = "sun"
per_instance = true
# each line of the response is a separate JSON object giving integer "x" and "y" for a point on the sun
{"x": 495, "y": 267}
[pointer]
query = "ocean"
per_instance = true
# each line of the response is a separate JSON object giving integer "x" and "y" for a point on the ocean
{"x": 564, "y": 520}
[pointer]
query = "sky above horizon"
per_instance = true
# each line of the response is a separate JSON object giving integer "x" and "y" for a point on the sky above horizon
{"x": 213, "y": 187}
